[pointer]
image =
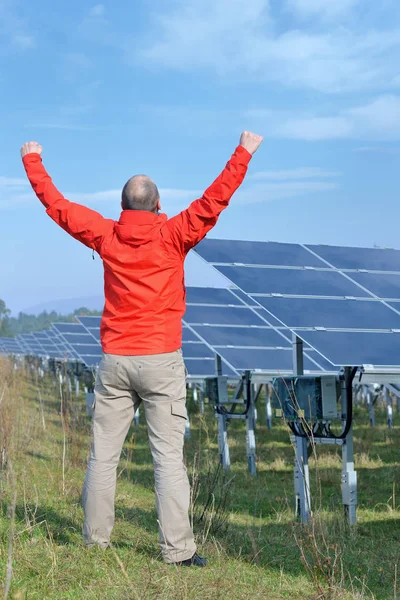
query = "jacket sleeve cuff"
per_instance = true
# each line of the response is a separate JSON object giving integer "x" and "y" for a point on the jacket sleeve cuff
{"x": 32, "y": 157}
{"x": 244, "y": 154}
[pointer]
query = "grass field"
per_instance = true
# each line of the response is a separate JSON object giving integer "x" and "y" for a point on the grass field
{"x": 247, "y": 532}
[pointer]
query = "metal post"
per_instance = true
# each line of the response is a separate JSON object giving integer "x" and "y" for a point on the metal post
{"x": 298, "y": 358}
{"x": 136, "y": 417}
{"x": 268, "y": 407}
{"x": 89, "y": 403}
{"x": 250, "y": 425}
{"x": 223, "y": 446}
{"x": 76, "y": 386}
{"x": 301, "y": 471}
{"x": 349, "y": 479}
{"x": 356, "y": 390}
{"x": 202, "y": 396}
{"x": 302, "y": 480}
{"x": 187, "y": 428}
{"x": 218, "y": 364}
{"x": 371, "y": 409}
{"x": 349, "y": 475}
{"x": 389, "y": 407}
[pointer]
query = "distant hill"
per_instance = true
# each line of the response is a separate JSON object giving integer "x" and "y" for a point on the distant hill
{"x": 67, "y": 305}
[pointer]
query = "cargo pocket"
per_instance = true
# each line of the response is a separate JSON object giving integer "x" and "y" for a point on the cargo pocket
{"x": 179, "y": 410}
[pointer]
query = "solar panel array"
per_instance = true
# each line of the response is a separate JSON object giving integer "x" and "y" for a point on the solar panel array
{"x": 343, "y": 302}
{"x": 243, "y": 334}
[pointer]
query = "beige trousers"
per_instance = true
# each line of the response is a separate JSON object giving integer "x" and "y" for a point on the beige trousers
{"x": 122, "y": 384}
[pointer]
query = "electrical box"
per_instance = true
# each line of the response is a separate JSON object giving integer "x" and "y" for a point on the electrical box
{"x": 307, "y": 397}
{"x": 217, "y": 389}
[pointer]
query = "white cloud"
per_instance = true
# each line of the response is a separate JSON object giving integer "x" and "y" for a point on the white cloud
{"x": 12, "y": 182}
{"x": 270, "y": 192}
{"x": 60, "y": 125}
{"x": 316, "y": 128}
{"x": 24, "y": 41}
{"x": 330, "y": 9}
{"x": 14, "y": 31}
{"x": 97, "y": 11}
{"x": 242, "y": 39}
{"x": 173, "y": 200}
{"x": 377, "y": 120}
{"x": 300, "y": 173}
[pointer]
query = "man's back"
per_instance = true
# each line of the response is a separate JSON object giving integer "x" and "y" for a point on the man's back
{"x": 143, "y": 286}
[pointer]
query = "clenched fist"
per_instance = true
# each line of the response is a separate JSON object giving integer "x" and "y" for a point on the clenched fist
{"x": 31, "y": 148}
{"x": 250, "y": 141}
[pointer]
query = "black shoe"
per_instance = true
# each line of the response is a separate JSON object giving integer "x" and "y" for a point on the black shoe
{"x": 195, "y": 561}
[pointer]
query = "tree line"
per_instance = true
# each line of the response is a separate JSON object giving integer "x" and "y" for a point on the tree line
{"x": 24, "y": 323}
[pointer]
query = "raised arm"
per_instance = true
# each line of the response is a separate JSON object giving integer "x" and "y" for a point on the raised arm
{"x": 190, "y": 226}
{"x": 84, "y": 224}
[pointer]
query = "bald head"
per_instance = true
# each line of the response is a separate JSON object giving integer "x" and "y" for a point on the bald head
{"x": 140, "y": 193}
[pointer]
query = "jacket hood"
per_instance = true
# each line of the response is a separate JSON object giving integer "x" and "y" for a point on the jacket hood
{"x": 138, "y": 227}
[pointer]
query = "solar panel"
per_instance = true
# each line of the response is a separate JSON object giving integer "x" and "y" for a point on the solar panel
{"x": 69, "y": 328}
{"x": 89, "y": 321}
{"x": 289, "y": 295}
{"x": 218, "y": 296}
{"x": 219, "y": 315}
{"x": 77, "y": 338}
{"x": 188, "y": 335}
{"x": 332, "y": 314}
{"x": 256, "y": 253}
{"x": 344, "y": 348}
{"x": 241, "y": 336}
{"x": 10, "y": 346}
{"x": 295, "y": 282}
{"x": 383, "y": 285}
{"x": 373, "y": 259}
{"x": 196, "y": 350}
{"x": 87, "y": 349}
{"x": 200, "y": 368}
{"x": 273, "y": 359}
{"x": 92, "y": 326}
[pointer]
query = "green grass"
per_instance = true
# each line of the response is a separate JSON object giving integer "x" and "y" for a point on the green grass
{"x": 253, "y": 555}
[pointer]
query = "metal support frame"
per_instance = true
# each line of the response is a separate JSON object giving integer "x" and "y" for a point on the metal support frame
{"x": 371, "y": 407}
{"x": 301, "y": 471}
{"x": 394, "y": 389}
{"x": 250, "y": 424}
{"x": 244, "y": 388}
{"x": 302, "y": 480}
{"x": 349, "y": 475}
{"x": 268, "y": 405}
{"x": 223, "y": 446}
{"x": 389, "y": 407}
{"x": 89, "y": 403}
{"x": 187, "y": 428}
{"x": 349, "y": 479}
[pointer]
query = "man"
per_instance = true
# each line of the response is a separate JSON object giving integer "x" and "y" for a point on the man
{"x": 143, "y": 255}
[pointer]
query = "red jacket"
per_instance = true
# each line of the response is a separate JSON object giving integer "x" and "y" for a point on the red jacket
{"x": 143, "y": 255}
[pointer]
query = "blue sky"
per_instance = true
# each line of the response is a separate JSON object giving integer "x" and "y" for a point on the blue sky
{"x": 165, "y": 88}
